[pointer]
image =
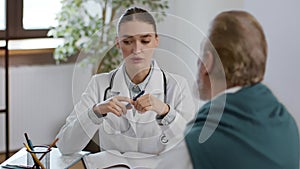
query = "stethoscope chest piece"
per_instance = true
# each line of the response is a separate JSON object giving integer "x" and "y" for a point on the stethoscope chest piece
{"x": 164, "y": 139}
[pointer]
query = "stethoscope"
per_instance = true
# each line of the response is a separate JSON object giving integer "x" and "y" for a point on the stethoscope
{"x": 108, "y": 89}
{"x": 163, "y": 138}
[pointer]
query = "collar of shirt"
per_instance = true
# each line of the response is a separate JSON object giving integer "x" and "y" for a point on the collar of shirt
{"x": 141, "y": 85}
{"x": 230, "y": 90}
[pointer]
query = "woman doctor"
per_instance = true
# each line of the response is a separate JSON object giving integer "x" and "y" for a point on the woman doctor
{"x": 152, "y": 123}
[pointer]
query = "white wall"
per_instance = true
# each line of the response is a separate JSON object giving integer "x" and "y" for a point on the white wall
{"x": 186, "y": 26}
{"x": 281, "y": 23}
{"x": 40, "y": 100}
{"x": 183, "y": 30}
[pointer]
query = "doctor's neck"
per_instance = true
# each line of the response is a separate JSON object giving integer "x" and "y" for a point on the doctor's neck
{"x": 138, "y": 76}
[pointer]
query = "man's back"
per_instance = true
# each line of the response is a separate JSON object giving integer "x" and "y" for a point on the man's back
{"x": 255, "y": 131}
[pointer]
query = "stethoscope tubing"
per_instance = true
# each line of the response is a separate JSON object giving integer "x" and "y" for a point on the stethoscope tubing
{"x": 113, "y": 77}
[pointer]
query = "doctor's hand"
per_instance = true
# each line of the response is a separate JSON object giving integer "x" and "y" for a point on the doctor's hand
{"x": 114, "y": 105}
{"x": 149, "y": 102}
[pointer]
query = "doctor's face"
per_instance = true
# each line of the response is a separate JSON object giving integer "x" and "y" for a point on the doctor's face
{"x": 137, "y": 41}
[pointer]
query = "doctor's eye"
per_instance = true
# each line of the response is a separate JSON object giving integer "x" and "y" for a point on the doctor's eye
{"x": 127, "y": 42}
{"x": 145, "y": 41}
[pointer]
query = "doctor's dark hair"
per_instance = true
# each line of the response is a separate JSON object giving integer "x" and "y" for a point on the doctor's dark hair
{"x": 137, "y": 14}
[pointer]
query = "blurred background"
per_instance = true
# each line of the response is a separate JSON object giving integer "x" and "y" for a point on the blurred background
{"x": 42, "y": 92}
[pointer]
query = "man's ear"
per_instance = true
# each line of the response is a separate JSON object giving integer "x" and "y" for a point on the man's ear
{"x": 209, "y": 61}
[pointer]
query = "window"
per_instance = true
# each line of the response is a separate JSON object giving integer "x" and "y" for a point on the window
{"x": 2, "y": 15}
{"x": 40, "y": 14}
{"x": 27, "y": 18}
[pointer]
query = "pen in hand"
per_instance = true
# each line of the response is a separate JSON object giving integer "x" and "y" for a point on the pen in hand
{"x": 138, "y": 95}
{"x": 135, "y": 98}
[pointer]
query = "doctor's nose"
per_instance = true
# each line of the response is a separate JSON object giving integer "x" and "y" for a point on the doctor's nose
{"x": 137, "y": 47}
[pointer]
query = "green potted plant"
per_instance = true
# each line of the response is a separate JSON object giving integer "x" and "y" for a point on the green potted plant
{"x": 87, "y": 26}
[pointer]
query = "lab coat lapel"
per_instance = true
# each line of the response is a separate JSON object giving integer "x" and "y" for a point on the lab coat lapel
{"x": 119, "y": 83}
{"x": 121, "y": 86}
{"x": 156, "y": 84}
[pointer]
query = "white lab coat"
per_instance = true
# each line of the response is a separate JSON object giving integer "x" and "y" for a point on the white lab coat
{"x": 140, "y": 133}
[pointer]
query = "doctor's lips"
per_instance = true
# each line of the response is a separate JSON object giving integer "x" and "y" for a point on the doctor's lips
{"x": 128, "y": 106}
{"x": 136, "y": 59}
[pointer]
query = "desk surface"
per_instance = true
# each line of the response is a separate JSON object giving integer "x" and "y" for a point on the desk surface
{"x": 57, "y": 160}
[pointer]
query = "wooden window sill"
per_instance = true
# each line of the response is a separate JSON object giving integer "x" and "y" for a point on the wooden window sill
{"x": 37, "y": 51}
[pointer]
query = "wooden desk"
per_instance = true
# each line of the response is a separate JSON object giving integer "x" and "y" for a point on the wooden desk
{"x": 57, "y": 160}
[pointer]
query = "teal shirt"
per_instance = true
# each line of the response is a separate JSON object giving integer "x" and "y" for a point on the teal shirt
{"x": 255, "y": 132}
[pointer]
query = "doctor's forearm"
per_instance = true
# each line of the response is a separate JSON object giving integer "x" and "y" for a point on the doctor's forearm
{"x": 71, "y": 142}
{"x": 76, "y": 134}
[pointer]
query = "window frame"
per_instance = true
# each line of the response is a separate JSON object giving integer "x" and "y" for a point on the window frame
{"x": 14, "y": 23}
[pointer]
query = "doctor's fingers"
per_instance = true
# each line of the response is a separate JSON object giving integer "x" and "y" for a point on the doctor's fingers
{"x": 119, "y": 101}
{"x": 156, "y": 107}
{"x": 116, "y": 111}
{"x": 147, "y": 108}
{"x": 117, "y": 107}
{"x": 109, "y": 107}
{"x": 122, "y": 107}
{"x": 153, "y": 104}
{"x": 122, "y": 99}
{"x": 149, "y": 100}
{"x": 145, "y": 101}
{"x": 141, "y": 104}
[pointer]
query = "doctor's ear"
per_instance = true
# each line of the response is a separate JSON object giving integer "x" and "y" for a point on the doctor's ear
{"x": 117, "y": 42}
{"x": 156, "y": 40}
